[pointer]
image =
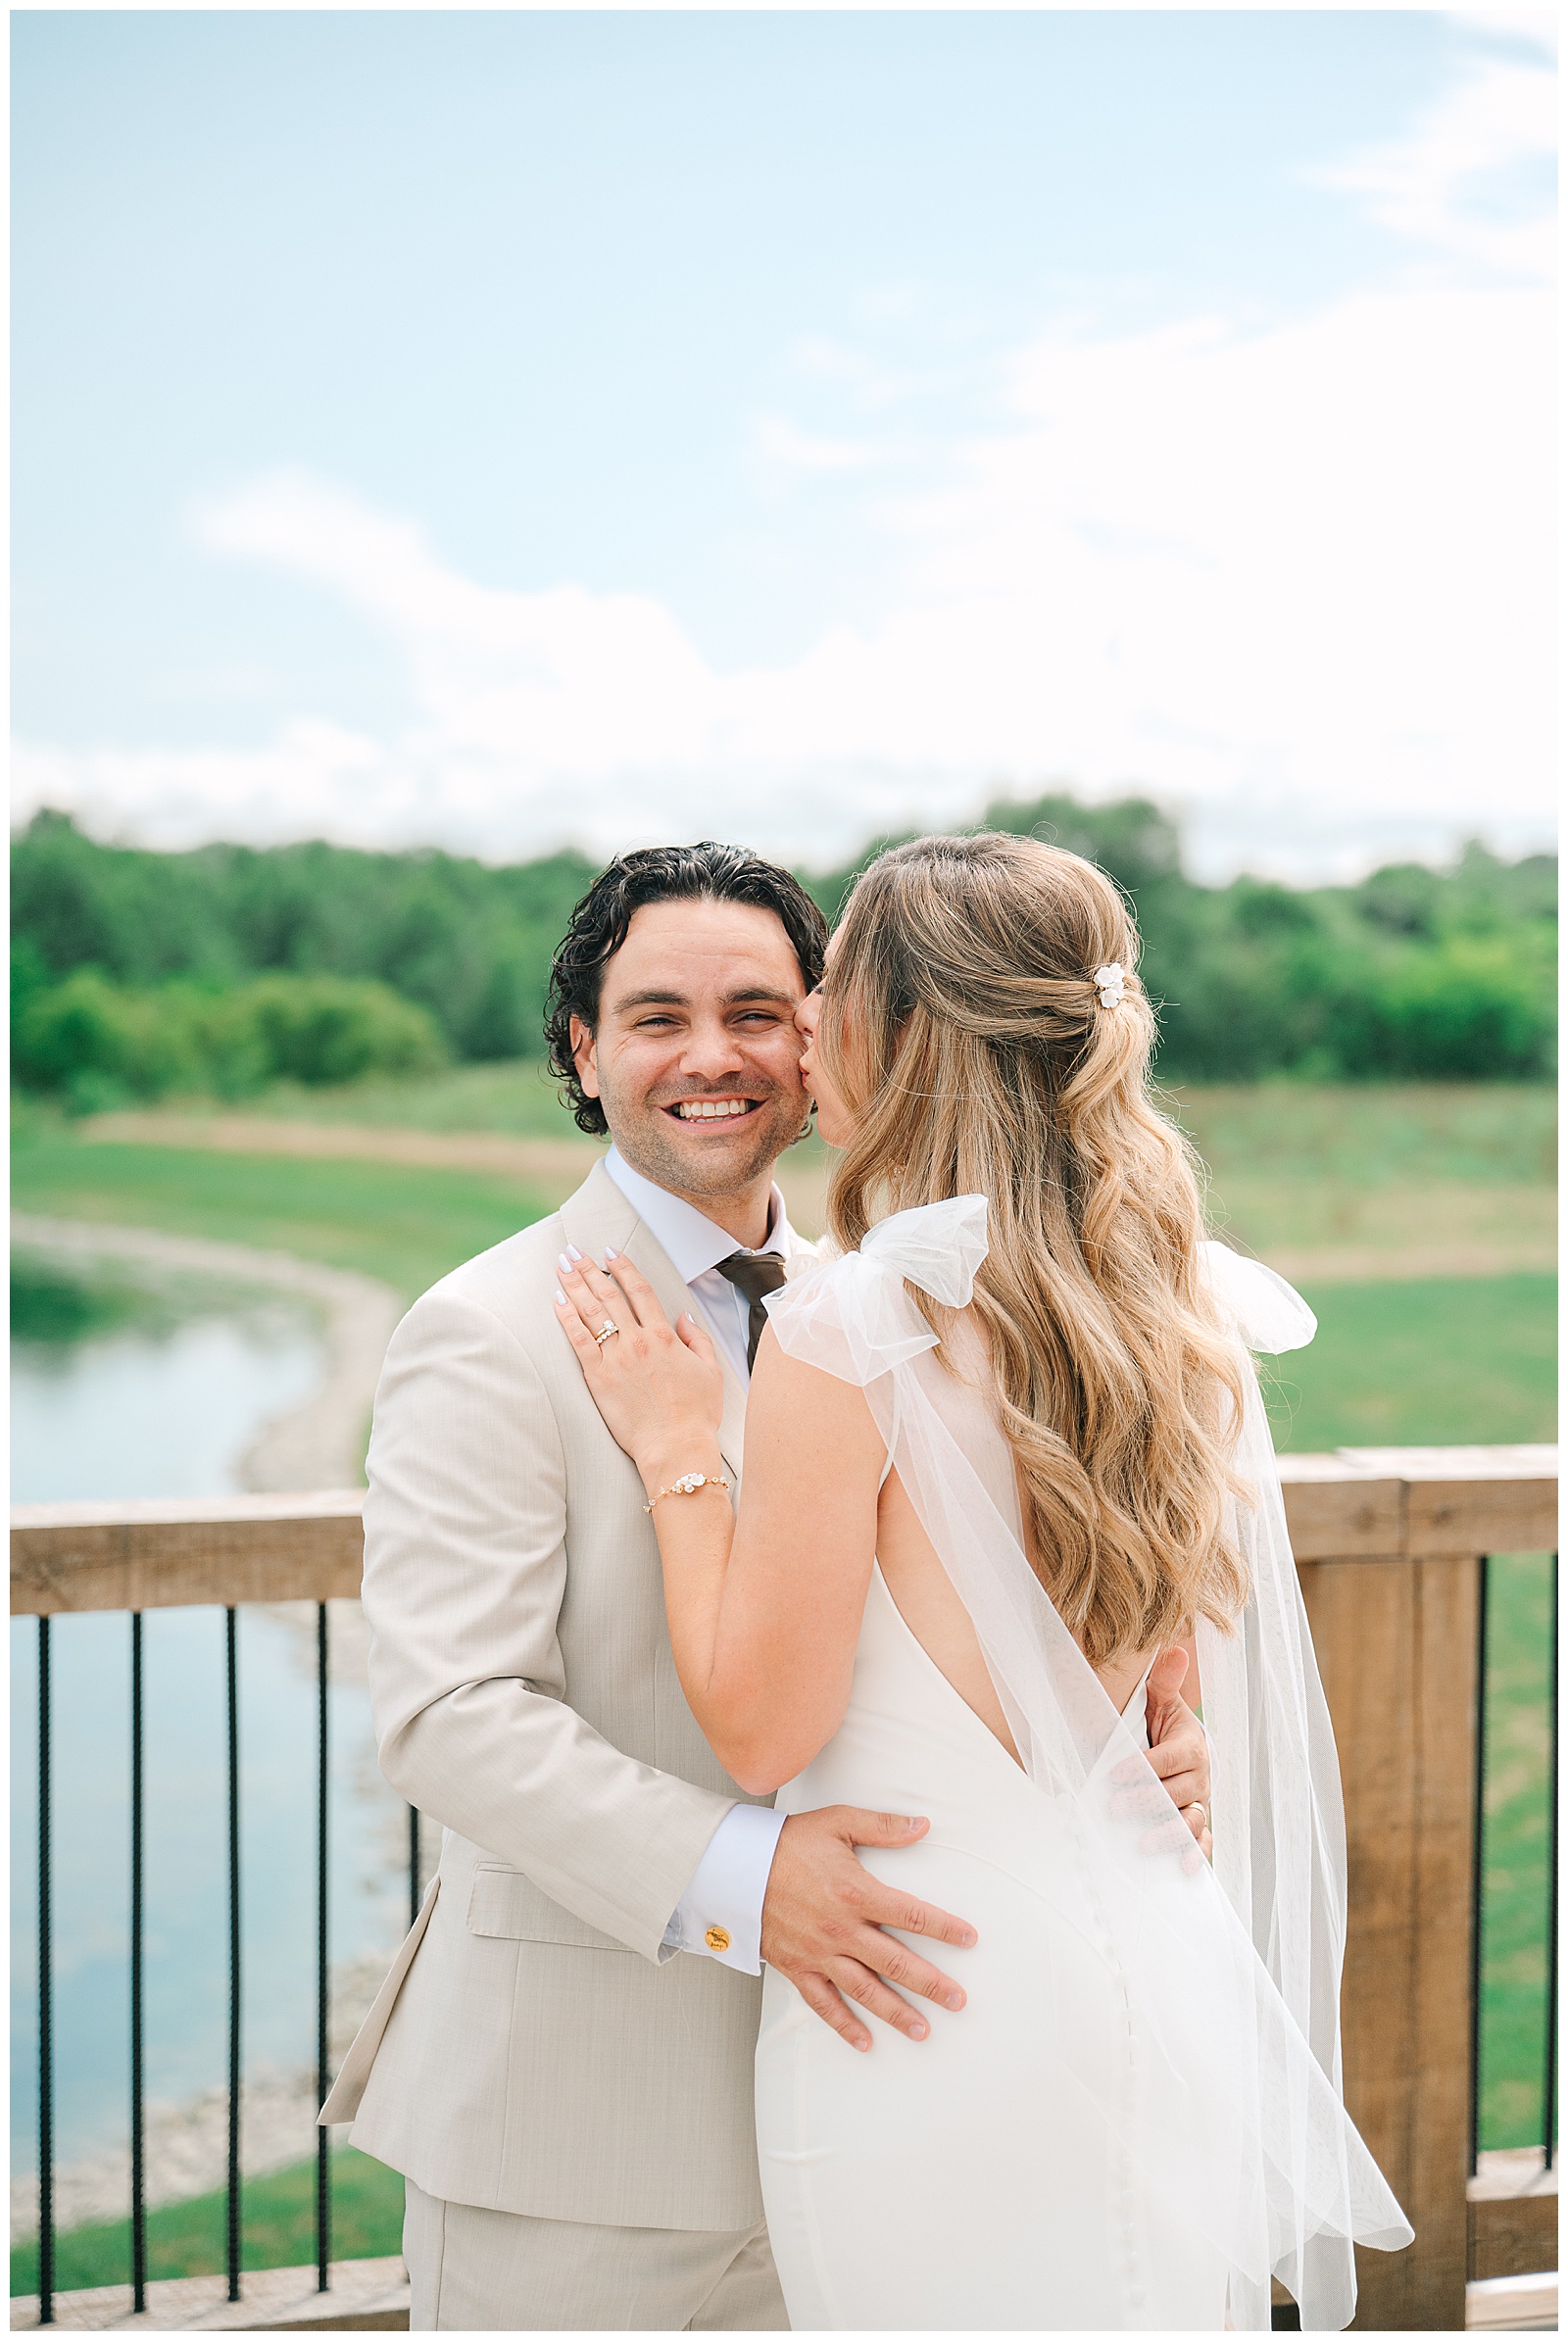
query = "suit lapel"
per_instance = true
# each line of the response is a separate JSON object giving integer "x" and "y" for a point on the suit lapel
{"x": 598, "y": 1214}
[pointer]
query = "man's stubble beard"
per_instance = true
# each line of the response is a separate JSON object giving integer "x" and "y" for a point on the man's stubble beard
{"x": 646, "y": 1148}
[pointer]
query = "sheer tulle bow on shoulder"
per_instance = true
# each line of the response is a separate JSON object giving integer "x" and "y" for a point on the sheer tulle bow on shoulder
{"x": 1227, "y": 2101}
{"x": 1267, "y": 1313}
{"x": 854, "y": 1316}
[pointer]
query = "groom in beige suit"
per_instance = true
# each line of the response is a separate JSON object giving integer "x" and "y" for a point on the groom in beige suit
{"x": 559, "y": 2062}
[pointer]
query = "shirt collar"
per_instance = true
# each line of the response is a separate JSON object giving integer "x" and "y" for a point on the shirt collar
{"x": 692, "y": 1243}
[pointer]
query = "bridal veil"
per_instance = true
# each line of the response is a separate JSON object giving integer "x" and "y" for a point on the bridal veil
{"x": 1227, "y": 2100}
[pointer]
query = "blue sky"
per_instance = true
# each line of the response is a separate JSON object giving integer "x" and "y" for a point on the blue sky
{"x": 493, "y": 429}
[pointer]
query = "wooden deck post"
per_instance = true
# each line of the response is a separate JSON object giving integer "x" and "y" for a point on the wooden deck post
{"x": 1397, "y": 1645}
{"x": 1390, "y": 1567}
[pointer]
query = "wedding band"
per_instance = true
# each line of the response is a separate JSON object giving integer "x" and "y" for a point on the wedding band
{"x": 1195, "y": 1807}
{"x": 606, "y": 1330}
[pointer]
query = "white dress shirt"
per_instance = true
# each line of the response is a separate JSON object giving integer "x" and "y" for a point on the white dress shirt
{"x": 694, "y": 1246}
{"x": 726, "y": 1892}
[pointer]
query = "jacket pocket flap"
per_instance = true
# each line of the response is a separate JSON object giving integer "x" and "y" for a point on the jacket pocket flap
{"x": 506, "y": 1902}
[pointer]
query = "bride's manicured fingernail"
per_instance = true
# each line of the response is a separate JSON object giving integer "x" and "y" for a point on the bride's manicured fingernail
{"x": 561, "y": 1299}
{"x": 611, "y": 1253}
{"x": 563, "y": 1263}
{"x": 573, "y": 1253}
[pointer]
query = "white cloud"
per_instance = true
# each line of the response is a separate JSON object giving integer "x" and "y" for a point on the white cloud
{"x": 1537, "y": 27}
{"x": 1465, "y": 182}
{"x": 180, "y": 797}
{"x": 1301, "y": 577}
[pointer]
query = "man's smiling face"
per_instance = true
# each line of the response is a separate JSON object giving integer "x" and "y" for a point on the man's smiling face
{"x": 696, "y": 1059}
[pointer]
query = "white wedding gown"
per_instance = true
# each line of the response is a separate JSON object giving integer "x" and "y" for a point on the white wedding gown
{"x": 1126, "y": 2127}
{"x": 964, "y": 2182}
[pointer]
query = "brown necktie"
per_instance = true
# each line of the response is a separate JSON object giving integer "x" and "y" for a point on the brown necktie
{"x": 756, "y": 1274}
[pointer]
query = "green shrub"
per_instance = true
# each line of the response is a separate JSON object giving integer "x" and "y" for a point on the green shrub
{"x": 100, "y": 1045}
{"x": 88, "y": 1039}
{"x": 29, "y": 973}
{"x": 323, "y": 1029}
{"x": 1477, "y": 1008}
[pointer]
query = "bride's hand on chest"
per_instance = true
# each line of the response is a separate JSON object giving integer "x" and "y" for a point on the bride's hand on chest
{"x": 660, "y": 1387}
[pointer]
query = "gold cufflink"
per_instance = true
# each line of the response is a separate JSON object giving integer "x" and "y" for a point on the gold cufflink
{"x": 716, "y": 1940}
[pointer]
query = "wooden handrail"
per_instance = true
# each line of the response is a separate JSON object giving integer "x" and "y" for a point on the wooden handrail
{"x": 1363, "y": 1503}
{"x": 176, "y": 1552}
{"x": 1420, "y": 1503}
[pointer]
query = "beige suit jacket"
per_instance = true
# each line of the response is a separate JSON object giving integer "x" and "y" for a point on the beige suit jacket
{"x": 533, "y": 2048}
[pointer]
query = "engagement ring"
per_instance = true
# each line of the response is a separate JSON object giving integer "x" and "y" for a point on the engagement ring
{"x": 606, "y": 1330}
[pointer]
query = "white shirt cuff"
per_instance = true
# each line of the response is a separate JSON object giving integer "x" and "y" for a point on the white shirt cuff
{"x": 720, "y": 1914}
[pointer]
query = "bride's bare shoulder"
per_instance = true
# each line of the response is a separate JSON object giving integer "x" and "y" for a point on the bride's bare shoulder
{"x": 818, "y": 1422}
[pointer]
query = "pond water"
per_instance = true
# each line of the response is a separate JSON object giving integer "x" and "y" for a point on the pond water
{"x": 164, "y": 1403}
{"x": 121, "y": 1391}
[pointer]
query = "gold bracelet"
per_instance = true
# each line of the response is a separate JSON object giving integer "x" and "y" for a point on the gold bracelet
{"x": 686, "y": 1484}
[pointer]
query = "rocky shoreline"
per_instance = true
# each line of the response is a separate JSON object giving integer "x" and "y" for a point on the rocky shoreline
{"x": 187, "y": 2143}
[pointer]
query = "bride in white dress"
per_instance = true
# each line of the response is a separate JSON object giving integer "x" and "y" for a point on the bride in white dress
{"x": 1001, "y": 1453}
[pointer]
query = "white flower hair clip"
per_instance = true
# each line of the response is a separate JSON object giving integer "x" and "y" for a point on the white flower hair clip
{"x": 1111, "y": 983}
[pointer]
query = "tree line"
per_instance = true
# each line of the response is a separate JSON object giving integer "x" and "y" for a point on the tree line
{"x": 138, "y": 974}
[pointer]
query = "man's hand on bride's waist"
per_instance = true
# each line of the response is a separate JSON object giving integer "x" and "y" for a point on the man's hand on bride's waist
{"x": 1179, "y": 1757}
{"x": 826, "y": 1921}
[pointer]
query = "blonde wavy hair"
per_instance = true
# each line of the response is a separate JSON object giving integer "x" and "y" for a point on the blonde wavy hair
{"x": 961, "y": 1025}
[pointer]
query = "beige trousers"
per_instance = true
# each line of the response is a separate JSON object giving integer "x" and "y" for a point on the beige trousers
{"x": 497, "y": 2271}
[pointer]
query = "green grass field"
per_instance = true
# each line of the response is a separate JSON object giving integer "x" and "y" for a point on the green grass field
{"x": 1454, "y": 1170}
{"x": 186, "y": 2239}
{"x": 1462, "y": 1361}
{"x": 1496, "y": 1133}
{"x": 1362, "y": 1136}
{"x": 1516, "y": 1847}
{"x": 403, "y": 1223}
{"x": 514, "y": 1099}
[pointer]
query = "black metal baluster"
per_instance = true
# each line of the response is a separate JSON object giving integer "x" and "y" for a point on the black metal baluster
{"x": 414, "y": 1863}
{"x": 138, "y": 2196}
{"x": 323, "y": 2079}
{"x": 232, "y": 2239}
{"x": 46, "y": 1997}
{"x": 1477, "y": 1870}
{"x": 1548, "y": 2111}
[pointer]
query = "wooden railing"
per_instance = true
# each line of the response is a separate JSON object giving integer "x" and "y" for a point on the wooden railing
{"x": 1391, "y": 1544}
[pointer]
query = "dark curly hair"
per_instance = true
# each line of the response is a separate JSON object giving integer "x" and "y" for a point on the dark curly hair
{"x": 705, "y": 873}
